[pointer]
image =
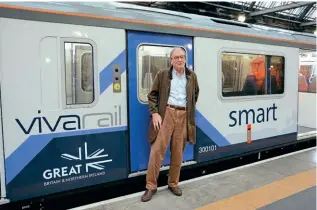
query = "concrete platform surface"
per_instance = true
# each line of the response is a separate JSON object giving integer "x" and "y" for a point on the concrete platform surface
{"x": 266, "y": 182}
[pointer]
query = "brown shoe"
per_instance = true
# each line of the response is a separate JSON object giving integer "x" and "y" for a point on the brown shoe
{"x": 148, "y": 195}
{"x": 175, "y": 190}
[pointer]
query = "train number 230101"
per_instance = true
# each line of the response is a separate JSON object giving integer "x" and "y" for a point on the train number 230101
{"x": 207, "y": 148}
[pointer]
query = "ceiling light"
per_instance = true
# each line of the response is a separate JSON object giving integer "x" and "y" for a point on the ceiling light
{"x": 241, "y": 17}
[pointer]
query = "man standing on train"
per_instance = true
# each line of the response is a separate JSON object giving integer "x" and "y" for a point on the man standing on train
{"x": 172, "y": 102}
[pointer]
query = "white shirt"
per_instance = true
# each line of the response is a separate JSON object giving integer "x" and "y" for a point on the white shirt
{"x": 178, "y": 95}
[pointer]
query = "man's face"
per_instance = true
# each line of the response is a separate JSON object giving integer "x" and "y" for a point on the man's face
{"x": 178, "y": 58}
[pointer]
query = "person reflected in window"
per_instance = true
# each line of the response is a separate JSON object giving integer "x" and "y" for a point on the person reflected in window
{"x": 258, "y": 69}
{"x": 172, "y": 102}
{"x": 250, "y": 85}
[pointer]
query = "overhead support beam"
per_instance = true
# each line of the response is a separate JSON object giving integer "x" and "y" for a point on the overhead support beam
{"x": 280, "y": 8}
{"x": 251, "y": 5}
{"x": 308, "y": 23}
{"x": 305, "y": 11}
{"x": 246, "y": 11}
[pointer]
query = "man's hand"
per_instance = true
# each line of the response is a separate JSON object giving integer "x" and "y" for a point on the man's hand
{"x": 157, "y": 121}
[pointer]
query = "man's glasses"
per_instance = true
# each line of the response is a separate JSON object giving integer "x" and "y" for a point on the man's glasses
{"x": 182, "y": 57}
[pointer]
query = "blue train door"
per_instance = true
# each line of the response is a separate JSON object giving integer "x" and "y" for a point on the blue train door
{"x": 147, "y": 54}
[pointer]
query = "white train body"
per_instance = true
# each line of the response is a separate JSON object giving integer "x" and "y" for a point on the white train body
{"x": 270, "y": 115}
{"x": 73, "y": 95}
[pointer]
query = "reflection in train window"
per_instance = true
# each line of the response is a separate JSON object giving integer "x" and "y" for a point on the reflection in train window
{"x": 276, "y": 67}
{"x": 87, "y": 82}
{"x": 151, "y": 59}
{"x": 307, "y": 78}
{"x": 246, "y": 74}
{"x": 79, "y": 73}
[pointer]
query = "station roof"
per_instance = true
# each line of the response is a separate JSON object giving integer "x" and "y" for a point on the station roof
{"x": 296, "y": 16}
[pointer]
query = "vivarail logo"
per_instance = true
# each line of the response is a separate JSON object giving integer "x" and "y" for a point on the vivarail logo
{"x": 60, "y": 123}
{"x": 97, "y": 157}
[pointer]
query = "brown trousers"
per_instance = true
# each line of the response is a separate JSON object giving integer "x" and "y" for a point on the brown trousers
{"x": 174, "y": 124}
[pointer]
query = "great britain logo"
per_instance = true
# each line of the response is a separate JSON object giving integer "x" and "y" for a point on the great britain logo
{"x": 92, "y": 156}
{"x": 93, "y": 159}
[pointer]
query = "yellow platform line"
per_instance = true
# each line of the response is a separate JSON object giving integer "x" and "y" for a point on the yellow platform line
{"x": 266, "y": 194}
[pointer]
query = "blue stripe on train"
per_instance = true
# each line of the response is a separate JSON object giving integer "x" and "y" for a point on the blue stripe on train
{"x": 105, "y": 76}
{"x": 210, "y": 130}
{"x": 35, "y": 143}
{"x": 24, "y": 154}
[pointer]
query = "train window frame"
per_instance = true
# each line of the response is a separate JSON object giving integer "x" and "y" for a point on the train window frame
{"x": 251, "y": 97}
{"x": 137, "y": 62}
{"x": 95, "y": 90}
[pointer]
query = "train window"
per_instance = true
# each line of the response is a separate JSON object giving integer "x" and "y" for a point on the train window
{"x": 151, "y": 59}
{"x": 79, "y": 73}
{"x": 275, "y": 84}
{"x": 307, "y": 78}
{"x": 251, "y": 74}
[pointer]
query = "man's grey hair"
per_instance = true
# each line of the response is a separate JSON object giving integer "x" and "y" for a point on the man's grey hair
{"x": 175, "y": 48}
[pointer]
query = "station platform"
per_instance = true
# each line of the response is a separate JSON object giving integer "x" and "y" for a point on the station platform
{"x": 285, "y": 182}
{"x": 305, "y": 130}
